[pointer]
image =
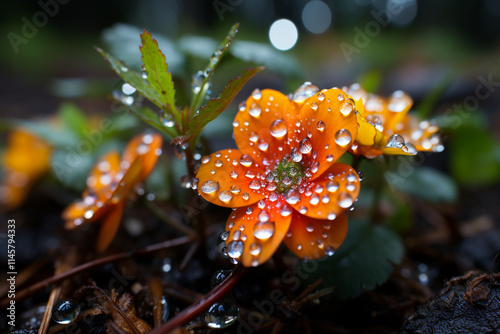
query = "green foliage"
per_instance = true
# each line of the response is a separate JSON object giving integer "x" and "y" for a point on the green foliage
{"x": 474, "y": 156}
{"x": 428, "y": 184}
{"x": 216, "y": 106}
{"x": 364, "y": 260}
{"x": 157, "y": 69}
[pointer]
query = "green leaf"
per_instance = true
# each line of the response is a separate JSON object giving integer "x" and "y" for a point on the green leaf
{"x": 428, "y": 184}
{"x": 133, "y": 78}
{"x": 205, "y": 75}
{"x": 73, "y": 118}
{"x": 267, "y": 56}
{"x": 152, "y": 118}
{"x": 158, "y": 75}
{"x": 370, "y": 80}
{"x": 122, "y": 41}
{"x": 364, "y": 261}
{"x": 473, "y": 153}
{"x": 216, "y": 106}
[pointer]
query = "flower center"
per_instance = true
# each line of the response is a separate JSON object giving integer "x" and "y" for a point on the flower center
{"x": 287, "y": 174}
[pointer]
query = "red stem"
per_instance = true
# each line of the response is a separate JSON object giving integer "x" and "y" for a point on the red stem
{"x": 203, "y": 303}
{"x": 99, "y": 262}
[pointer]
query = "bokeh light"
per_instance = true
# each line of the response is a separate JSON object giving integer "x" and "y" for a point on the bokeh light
{"x": 316, "y": 17}
{"x": 283, "y": 34}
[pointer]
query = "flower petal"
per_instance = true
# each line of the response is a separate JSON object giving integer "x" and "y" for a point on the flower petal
{"x": 228, "y": 178}
{"x": 313, "y": 238}
{"x": 147, "y": 145}
{"x": 330, "y": 194}
{"x": 255, "y": 232}
{"x": 328, "y": 127}
{"x": 102, "y": 176}
{"x": 110, "y": 226}
{"x": 263, "y": 123}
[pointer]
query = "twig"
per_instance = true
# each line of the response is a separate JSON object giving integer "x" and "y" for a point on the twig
{"x": 203, "y": 303}
{"x": 54, "y": 294}
{"x": 189, "y": 255}
{"x": 96, "y": 263}
{"x": 156, "y": 291}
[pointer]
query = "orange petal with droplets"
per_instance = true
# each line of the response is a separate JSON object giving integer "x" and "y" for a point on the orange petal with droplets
{"x": 255, "y": 232}
{"x": 110, "y": 226}
{"x": 330, "y": 194}
{"x": 263, "y": 126}
{"x": 313, "y": 238}
{"x": 328, "y": 127}
{"x": 147, "y": 145}
{"x": 102, "y": 176}
{"x": 228, "y": 178}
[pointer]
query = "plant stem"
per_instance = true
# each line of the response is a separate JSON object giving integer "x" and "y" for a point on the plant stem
{"x": 203, "y": 303}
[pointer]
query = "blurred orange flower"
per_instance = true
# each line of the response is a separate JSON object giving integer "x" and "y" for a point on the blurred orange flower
{"x": 109, "y": 184}
{"x": 25, "y": 160}
{"x": 387, "y": 128}
{"x": 283, "y": 180}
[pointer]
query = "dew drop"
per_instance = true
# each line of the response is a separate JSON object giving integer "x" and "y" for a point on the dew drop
{"x": 305, "y": 146}
{"x": 254, "y": 185}
{"x": 343, "y": 137}
{"x": 314, "y": 200}
{"x": 321, "y": 96}
{"x": 351, "y": 177}
{"x": 263, "y": 230}
{"x": 246, "y": 160}
{"x": 234, "y": 174}
{"x": 65, "y": 311}
{"x": 235, "y": 189}
{"x": 309, "y": 227}
{"x": 255, "y": 249}
{"x": 361, "y": 175}
{"x": 346, "y": 108}
{"x": 225, "y": 196}
{"x": 263, "y": 145}
{"x": 332, "y": 186}
{"x": 144, "y": 74}
{"x": 314, "y": 106}
{"x": 399, "y": 101}
{"x": 396, "y": 141}
{"x": 218, "y": 277}
{"x": 253, "y": 137}
{"x": 296, "y": 155}
{"x": 320, "y": 125}
{"x": 205, "y": 159}
{"x": 329, "y": 251}
{"x": 221, "y": 314}
{"x": 245, "y": 196}
{"x": 209, "y": 187}
{"x": 166, "y": 119}
{"x": 242, "y": 106}
{"x": 257, "y": 94}
{"x": 286, "y": 211}
{"x": 344, "y": 200}
{"x": 235, "y": 248}
{"x": 224, "y": 235}
{"x": 254, "y": 110}
{"x": 218, "y": 163}
{"x": 306, "y": 90}
{"x": 292, "y": 196}
{"x": 278, "y": 128}
{"x": 264, "y": 216}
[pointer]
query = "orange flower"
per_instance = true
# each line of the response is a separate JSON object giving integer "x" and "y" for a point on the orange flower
{"x": 283, "y": 180}
{"x": 109, "y": 184}
{"x": 25, "y": 160}
{"x": 387, "y": 128}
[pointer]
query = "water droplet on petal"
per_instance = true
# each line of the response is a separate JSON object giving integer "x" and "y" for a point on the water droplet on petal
{"x": 224, "y": 235}
{"x": 257, "y": 94}
{"x": 314, "y": 106}
{"x": 306, "y": 90}
{"x": 209, "y": 187}
{"x": 65, "y": 311}
{"x": 320, "y": 125}
{"x": 255, "y": 249}
{"x": 344, "y": 200}
{"x": 396, "y": 141}
{"x": 309, "y": 227}
{"x": 254, "y": 110}
{"x": 305, "y": 146}
{"x": 263, "y": 145}
{"x": 351, "y": 177}
{"x": 332, "y": 186}
{"x": 253, "y": 137}
{"x": 205, "y": 159}
{"x": 320, "y": 96}
{"x": 246, "y": 160}
{"x": 399, "y": 101}
{"x": 234, "y": 174}
{"x": 347, "y": 108}
{"x": 218, "y": 163}
{"x": 296, "y": 155}
{"x": 343, "y": 137}
{"x": 278, "y": 128}
{"x": 264, "y": 216}
{"x": 225, "y": 196}
{"x": 235, "y": 248}
{"x": 263, "y": 230}
{"x": 286, "y": 210}
{"x": 235, "y": 189}
{"x": 292, "y": 196}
